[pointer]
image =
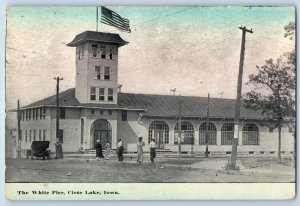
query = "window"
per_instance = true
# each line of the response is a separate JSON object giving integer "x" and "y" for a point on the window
{"x": 211, "y": 137}
{"x": 62, "y": 112}
{"x": 110, "y": 95}
{"x": 26, "y": 113}
{"x": 41, "y": 113}
{"x": 80, "y": 52}
{"x": 40, "y": 135}
{"x": 111, "y": 53}
{"x": 29, "y": 135}
{"x": 93, "y": 93}
{"x": 101, "y": 94}
{"x": 25, "y": 135}
{"x": 21, "y": 135}
{"x": 109, "y": 112}
{"x": 227, "y": 133}
{"x": 103, "y": 52}
{"x": 250, "y": 134}
{"x": 106, "y": 73}
{"x": 61, "y": 136}
{"x": 34, "y": 135}
{"x": 29, "y": 111}
{"x": 36, "y": 113}
{"x": 159, "y": 130}
{"x": 187, "y": 133}
{"x": 97, "y": 72}
{"x": 92, "y": 111}
{"x": 44, "y": 112}
{"x": 124, "y": 115}
{"x": 33, "y": 114}
{"x": 44, "y": 134}
{"x": 94, "y": 50}
{"x": 23, "y": 115}
{"x": 101, "y": 111}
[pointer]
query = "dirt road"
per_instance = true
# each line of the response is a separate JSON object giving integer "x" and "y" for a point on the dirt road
{"x": 164, "y": 170}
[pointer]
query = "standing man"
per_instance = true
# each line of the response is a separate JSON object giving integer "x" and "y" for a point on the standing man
{"x": 120, "y": 150}
{"x": 152, "y": 146}
{"x": 139, "y": 147}
{"x": 98, "y": 148}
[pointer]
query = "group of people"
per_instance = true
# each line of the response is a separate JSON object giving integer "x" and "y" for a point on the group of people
{"x": 99, "y": 151}
{"x": 120, "y": 150}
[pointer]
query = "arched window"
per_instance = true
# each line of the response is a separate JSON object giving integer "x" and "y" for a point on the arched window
{"x": 227, "y": 133}
{"x": 211, "y": 134}
{"x": 187, "y": 133}
{"x": 159, "y": 130}
{"x": 250, "y": 134}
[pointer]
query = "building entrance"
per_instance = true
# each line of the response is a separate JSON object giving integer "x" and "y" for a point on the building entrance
{"x": 100, "y": 130}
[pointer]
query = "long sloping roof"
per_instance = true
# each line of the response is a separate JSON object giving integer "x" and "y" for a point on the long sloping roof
{"x": 97, "y": 37}
{"x": 158, "y": 105}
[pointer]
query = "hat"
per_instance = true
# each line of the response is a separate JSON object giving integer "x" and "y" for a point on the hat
{"x": 140, "y": 137}
{"x": 97, "y": 140}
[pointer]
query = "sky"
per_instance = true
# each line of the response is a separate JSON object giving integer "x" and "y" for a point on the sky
{"x": 193, "y": 49}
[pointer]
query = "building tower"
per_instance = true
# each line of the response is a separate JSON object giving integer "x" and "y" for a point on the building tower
{"x": 97, "y": 66}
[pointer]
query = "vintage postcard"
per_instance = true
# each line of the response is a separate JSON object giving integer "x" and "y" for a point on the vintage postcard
{"x": 113, "y": 103}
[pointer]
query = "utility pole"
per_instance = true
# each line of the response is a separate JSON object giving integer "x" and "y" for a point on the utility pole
{"x": 206, "y": 129}
{"x": 179, "y": 129}
{"x": 58, "y": 145}
{"x": 97, "y": 19}
{"x": 238, "y": 99}
{"x": 19, "y": 130}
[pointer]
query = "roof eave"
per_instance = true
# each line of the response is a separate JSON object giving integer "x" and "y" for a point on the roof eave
{"x": 81, "y": 41}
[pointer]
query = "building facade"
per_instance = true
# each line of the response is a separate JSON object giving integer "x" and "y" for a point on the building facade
{"x": 96, "y": 110}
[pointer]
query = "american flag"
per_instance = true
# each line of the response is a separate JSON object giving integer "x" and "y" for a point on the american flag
{"x": 111, "y": 18}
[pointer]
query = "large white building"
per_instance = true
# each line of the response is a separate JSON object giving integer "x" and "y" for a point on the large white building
{"x": 96, "y": 109}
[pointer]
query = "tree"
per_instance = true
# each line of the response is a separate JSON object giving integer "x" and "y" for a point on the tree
{"x": 273, "y": 93}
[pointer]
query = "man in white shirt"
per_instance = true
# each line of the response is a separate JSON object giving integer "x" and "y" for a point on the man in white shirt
{"x": 152, "y": 146}
{"x": 120, "y": 150}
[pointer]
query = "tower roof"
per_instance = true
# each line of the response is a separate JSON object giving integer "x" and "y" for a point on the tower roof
{"x": 97, "y": 37}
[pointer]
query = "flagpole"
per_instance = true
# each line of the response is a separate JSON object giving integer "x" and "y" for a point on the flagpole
{"x": 97, "y": 19}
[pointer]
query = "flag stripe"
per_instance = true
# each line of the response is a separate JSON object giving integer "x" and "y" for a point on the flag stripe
{"x": 114, "y": 14}
{"x": 113, "y": 22}
{"x": 116, "y": 20}
{"x": 120, "y": 28}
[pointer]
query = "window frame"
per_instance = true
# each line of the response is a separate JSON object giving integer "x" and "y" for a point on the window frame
{"x": 103, "y": 52}
{"x": 97, "y": 72}
{"x": 102, "y": 95}
{"x": 44, "y": 134}
{"x": 93, "y": 94}
{"x": 110, "y": 94}
{"x": 95, "y": 52}
{"x": 106, "y": 75}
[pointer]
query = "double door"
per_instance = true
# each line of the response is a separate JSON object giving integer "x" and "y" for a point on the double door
{"x": 103, "y": 136}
